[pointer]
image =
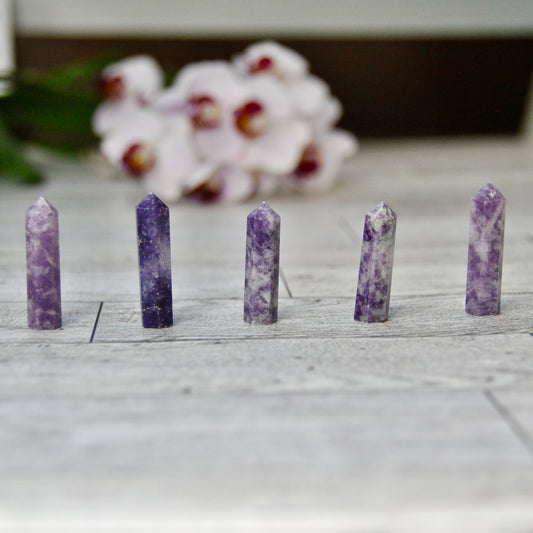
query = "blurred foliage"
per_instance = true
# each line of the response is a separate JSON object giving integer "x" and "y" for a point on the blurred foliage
{"x": 51, "y": 109}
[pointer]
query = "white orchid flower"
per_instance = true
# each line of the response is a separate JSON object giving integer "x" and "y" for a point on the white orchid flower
{"x": 223, "y": 184}
{"x": 128, "y": 84}
{"x": 155, "y": 150}
{"x": 207, "y": 93}
{"x": 138, "y": 76}
{"x": 270, "y": 57}
{"x": 271, "y": 136}
{"x": 321, "y": 160}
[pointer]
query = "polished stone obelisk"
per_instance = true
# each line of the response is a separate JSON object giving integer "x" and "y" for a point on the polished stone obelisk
{"x": 262, "y": 266}
{"x": 42, "y": 260}
{"x": 375, "y": 269}
{"x": 153, "y": 236}
{"x": 485, "y": 252}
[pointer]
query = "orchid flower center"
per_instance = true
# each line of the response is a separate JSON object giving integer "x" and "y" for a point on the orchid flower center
{"x": 111, "y": 87}
{"x": 138, "y": 159}
{"x": 209, "y": 191}
{"x": 251, "y": 119}
{"x": 309, "y": 163}
{"x": 263, "y": 64}
{"x": 205, "y": 112}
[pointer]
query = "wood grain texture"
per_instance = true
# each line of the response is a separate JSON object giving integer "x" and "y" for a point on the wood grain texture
{"x": 270, "y": 366}
{"x": 317, "y": 423}
{"x": 132, "y": 458}
{"x": 316, "y": 318}
{"x": 78, "y": 320}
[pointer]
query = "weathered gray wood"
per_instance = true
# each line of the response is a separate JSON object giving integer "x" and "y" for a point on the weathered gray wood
{"x": 516, "y": 407}
{"x": 78, "y": 319}
{"x": 310, "y": 365}
{"x": 192, "y": 458}
{"x": 315, "y": 318}
{"x": 317, "y": 423}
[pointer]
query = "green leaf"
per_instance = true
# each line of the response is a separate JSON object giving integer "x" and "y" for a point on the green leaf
{"x": 54, "y": 109}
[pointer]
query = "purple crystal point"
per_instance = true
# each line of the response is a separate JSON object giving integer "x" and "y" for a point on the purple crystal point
{"x": 485, "y": 252}
{"x": 375, "y": 269}
{"x": 262, "y": 266}
{"x": 42, "y": 259}
{"x": 153, "y": 237}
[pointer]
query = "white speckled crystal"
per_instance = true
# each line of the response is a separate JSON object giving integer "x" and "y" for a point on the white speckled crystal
{"x": 375, "y": 270}
{"x": 153, "y": 236}
{"x": 42, "y": 259}
{"x": 262, "y": 266}
{"x": 485, "y": 252}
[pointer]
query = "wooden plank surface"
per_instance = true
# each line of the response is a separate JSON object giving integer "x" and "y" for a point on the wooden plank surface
{"x": 317, "y": 423}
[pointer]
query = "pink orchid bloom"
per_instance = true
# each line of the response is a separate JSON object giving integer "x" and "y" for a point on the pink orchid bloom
{"x": 223, "y": 131}
{"x": 207, "y": 93}
{"x": 320, "y": 161}
{"x": 308, "y": 94}
{"x": 245, "y": 123}
{"x": 224, "y": 184}
{"x": 113, "y": 113}
{"x": 128, "y": 84}
{"x": 270, "y": 57}
{"x": 271, "y": 137}
{"x": 138, "y": 76}
{"x": 157, "y": 151}
{"x": 327, "y": 116}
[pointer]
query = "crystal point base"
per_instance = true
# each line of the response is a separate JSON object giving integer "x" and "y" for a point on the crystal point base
{"x": 375, "y": 269}
{"x": 262, "y": 266}
{"x": 153, "y": 235}
{"x": 42, "y": 259}
{"x": 485, "y": 252}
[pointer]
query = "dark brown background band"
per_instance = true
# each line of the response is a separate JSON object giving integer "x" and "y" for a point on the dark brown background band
{"x": 389, "y": 87}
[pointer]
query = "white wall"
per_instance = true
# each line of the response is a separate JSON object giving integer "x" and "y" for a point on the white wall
{"x": 6, "y": 37}
{"x": 280, "y": 18}
{"x": 6, "y": 43}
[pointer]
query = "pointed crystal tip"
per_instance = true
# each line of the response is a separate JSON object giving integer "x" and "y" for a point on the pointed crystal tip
{"x": 490, "y": 191}
{"x": 264, "y": 209}
{"x": 265, "y": 206}
{"x": 265, "y": 217}
{"x": 489, "y": 195}
{"x": 42, "y": 205}
{"x": 382, "y": 211}
{"x": 151, "y": 201}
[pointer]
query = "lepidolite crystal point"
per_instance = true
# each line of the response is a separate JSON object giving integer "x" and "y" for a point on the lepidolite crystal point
{"x": 262, "y": 266}
{"x": 375, "y": 269}
{"x": 151, "y": 201}
{"x": 485, "y": 252}
{"x": 153, "y": 238}
{"x": 43, "y": 271}
{"x": 264, "y": 219}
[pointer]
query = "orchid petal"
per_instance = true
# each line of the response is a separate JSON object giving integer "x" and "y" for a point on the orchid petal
{"x": 222, "y": 144}
{"x": 141, "y": 75}
{"x": 272, "y": 94}
{"x": 334, "y": 146}
{"x": 142, "y": 126}
{"x": 288, "y": 64}
{"x": 267, "y": 184}
{"x": 327, "y": 116}
{"x": 278, "y": 150}
{"x": 213, "y": 78}
{"x": 308, "y": 95}
{"x": 112, "y": 113}
{"x": 237, "y": 184}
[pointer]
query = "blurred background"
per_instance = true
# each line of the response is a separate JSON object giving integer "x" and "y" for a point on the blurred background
{"x": 400, "y": 67}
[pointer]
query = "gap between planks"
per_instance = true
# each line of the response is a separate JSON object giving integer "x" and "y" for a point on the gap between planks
{"x": 285, "y": 282}
{"x": 96, "y": 322}
{"x": 512, "y": 422}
